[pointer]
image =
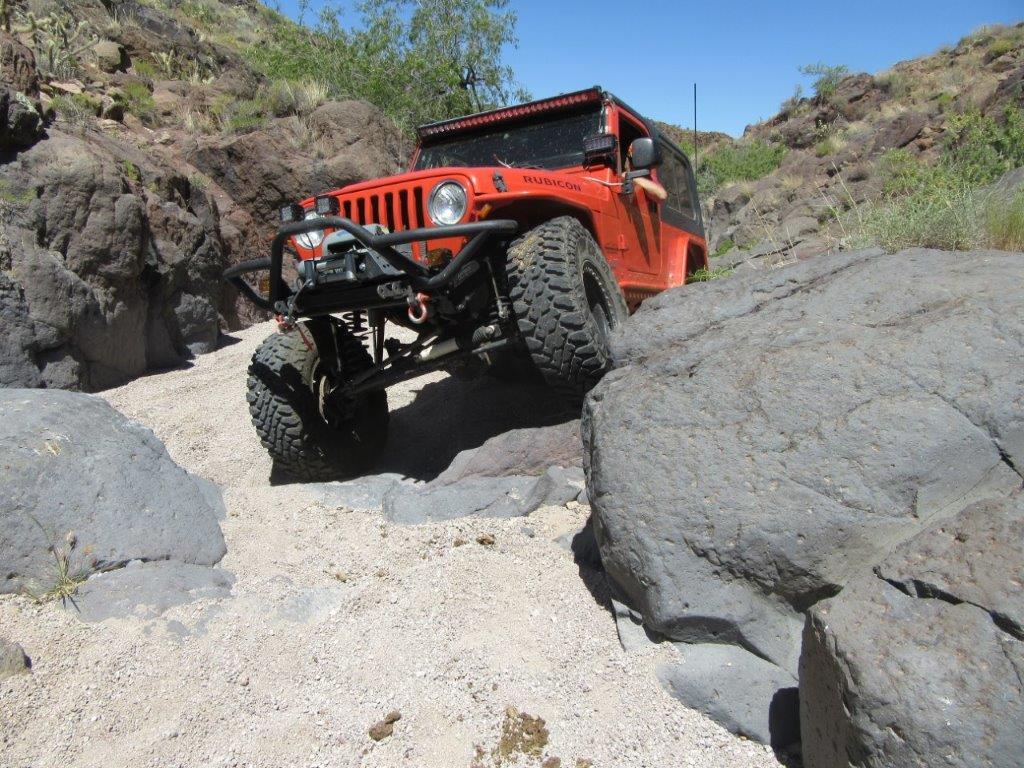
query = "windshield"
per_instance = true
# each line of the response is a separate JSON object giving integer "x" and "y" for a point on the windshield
{"x": 553, "y": 143}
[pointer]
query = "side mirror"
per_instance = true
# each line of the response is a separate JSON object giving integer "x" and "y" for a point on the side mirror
{"x": 644, "y": 154}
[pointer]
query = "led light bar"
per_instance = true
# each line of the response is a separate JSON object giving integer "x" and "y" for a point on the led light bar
{"x": 508, "y": 113}
{"x": 290, "y": 213}
{"x": 326, "y": 206}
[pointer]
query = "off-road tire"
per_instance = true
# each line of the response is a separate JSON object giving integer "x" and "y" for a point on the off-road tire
{"x": 566, "y": 301}
{"x": 286, "y": 413}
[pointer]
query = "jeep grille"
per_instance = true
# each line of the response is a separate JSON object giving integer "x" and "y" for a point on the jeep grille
{"x": 397, "y": 209}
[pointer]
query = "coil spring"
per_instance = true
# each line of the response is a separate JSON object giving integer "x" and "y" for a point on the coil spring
{"x": 356, "y": 322}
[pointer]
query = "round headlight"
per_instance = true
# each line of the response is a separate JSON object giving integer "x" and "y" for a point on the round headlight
{"x": 447, "y": 203}
{"x": 311, "y": 240}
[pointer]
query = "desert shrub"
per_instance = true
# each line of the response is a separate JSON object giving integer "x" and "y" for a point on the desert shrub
{"x": 1004, "y": 222}
{"x": 999, "y": 47}
{"x": 930, "y": 217}
{"x": 239, "y": 115}
{"x": 746, "y": 161}
{"x": 144, "y": 68}
{"x": 980, "y": 148}
{"x": 286, "y": 97}
{"x": 826, "y": 77}
{"x": 75, "y": 108}
{"x": 136, "y": 99}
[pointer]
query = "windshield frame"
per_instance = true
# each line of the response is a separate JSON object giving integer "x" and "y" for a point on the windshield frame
{"x": 594, "y": 112}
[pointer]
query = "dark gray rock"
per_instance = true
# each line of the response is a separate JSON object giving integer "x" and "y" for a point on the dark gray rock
{"x": 528, "y": 451}
{"x": 365, "y": 493}
{"x": 77, "y": 479}
{"x": 744, "y": 693}
{"x": 780, "y": 454}
{"x": 482, "y": 496}
{"x": 923, "y": 663}
{"x": 115, "y": 276}
{"x": 21, "y": 125}
{"x": 767, "y": 438}
{"x": 509, "y": 496}
{"x": 13, "y": 659}
{"x": 147, "y": 590}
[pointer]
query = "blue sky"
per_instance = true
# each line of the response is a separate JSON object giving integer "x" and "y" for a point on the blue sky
{"x": 743, "y": 54}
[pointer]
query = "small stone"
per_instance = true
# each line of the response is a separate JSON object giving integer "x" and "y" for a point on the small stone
{"x": 552, "y": 762}
{"x": 384, "y": 728}
{"x": 528, "y": 532}
{"x": 13, "y": 660}
{"x": 459, "y": 542}
{"x": 485, "y": 539}
{"x": 244, "y": 681}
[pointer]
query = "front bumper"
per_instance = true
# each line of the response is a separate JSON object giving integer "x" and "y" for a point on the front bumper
{"x": 418, "y": 276}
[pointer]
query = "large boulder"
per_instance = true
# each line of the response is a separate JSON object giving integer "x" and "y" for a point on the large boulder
{"x": 767, "y": 438}
{"x": 82, "y": 490}
{"x": 922, "y": 663}
{"x": 110, "y": 265}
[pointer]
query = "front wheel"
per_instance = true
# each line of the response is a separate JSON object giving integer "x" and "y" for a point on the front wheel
{"x": 566, "y": 302}
{"x": 309, "y": 437}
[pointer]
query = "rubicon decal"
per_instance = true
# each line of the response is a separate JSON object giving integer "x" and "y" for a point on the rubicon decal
{"x": 547, "y": 182}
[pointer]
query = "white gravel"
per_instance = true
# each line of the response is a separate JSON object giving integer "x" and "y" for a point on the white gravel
{"x": 336, "y": 618}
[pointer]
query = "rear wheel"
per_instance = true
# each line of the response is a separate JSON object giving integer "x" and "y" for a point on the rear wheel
{"x": 567, "y": 302}
{"x": 309, "y": 437}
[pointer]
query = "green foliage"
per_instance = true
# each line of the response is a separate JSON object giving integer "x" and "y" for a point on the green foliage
{"x": 999, "y": 47}
{"x": 144, "y": 68}
{"x": 240, "y": 115}
{"x": 131, "y": 170}
{"x": 946, "y": 217}
{"x": 13, "y": 195}
{"x": 747, "y": 161}
{"x": 946, "y": 205}
{"x": 704, "y": 274}
{"x": 1004, "y": 222}
{"x": 75, "y": 108}
{"x": 826, "y": 77}
{"x": 723, "y": 248}
{"x": 419, "y": 61}
{"x": 136, "y": 98}
{"x": 982, "y": 149}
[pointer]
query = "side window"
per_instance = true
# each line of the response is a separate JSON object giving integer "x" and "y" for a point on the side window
{"x": 675, "y": 178}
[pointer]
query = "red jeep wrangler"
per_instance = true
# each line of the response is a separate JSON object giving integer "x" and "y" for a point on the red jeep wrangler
{"x": 519, "y": 237}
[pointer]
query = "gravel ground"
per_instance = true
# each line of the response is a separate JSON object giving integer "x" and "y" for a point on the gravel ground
{"x": 338, "y": 617}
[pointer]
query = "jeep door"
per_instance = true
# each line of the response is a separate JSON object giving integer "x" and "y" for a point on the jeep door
{"x": 638, "y": 212}
{"x": 682, "y": 227}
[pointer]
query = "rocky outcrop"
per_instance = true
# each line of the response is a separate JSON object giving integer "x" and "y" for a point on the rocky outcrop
{"x": 111, "y": 265}
{"x": 934, "y": 638}
{"x": 768, "y": 439}
{"x": 835, "y": 143}
{"x": 83, "y": 490}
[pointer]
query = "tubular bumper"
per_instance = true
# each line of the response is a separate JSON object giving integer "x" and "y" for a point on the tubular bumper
{"x": 419, "y": 276}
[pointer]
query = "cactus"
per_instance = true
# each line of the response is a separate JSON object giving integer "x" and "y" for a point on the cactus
{"x": 58, "y": 41}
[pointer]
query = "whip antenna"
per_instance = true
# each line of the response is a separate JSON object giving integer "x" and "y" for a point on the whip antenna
{"x": 694, "y": 126}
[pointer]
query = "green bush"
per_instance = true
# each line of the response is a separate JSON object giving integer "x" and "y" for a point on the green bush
{"x": 136, "y": 98}
{"x": 1004, "y": 222}
{"x": 826, "y": 77}
{"x": 981, "y": 149}
{"x": 932, "y": 217}
{"x": 241, "y": 115}
{"x": 747, "y": 161}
